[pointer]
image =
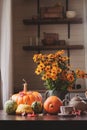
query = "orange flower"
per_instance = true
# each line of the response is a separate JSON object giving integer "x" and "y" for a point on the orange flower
{"x": 70, "y": 77}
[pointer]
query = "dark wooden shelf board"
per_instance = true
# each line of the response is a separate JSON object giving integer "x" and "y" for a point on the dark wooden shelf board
{"x": 52, "y": 21}
{"x": 52, "y": 47}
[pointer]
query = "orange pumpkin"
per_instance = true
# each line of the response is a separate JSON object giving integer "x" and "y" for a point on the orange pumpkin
{"x": 27, "y": 97}
{"x": 52, "y": 104}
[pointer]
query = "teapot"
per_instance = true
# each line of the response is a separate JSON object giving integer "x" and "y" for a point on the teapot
{"x": 78, "y": 103}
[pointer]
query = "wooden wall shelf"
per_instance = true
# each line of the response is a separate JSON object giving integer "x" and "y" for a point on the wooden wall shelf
{"x": 52, "y": 47}
{"x": 52, "y": 21}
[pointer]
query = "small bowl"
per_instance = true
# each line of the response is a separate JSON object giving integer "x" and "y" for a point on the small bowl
{"x": 70, "y": 14}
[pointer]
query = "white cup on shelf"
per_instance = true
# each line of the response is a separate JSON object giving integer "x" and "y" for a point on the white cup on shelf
{"x": 70, "y": 14}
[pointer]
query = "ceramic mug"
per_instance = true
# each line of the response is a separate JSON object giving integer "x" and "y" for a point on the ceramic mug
{"x": 66, "y": 109}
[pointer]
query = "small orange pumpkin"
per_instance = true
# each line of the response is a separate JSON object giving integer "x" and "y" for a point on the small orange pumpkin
{"x": 26, "y": 97}
{"x": 52, "y": 104}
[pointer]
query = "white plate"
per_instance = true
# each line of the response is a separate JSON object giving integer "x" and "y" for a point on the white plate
{"x": 66, "y": 115}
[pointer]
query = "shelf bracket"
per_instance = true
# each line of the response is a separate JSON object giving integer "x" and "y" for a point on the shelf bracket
{"x": 67, "y": 5}
{"x": 68, "y": 54}
{"x": 68, "y": 29}
{"x": 38, "y": 8}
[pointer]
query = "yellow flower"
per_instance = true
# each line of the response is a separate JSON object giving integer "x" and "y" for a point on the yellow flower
{"x": 48, "y": 68}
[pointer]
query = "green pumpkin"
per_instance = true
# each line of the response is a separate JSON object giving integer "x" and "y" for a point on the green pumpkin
{"x": 37, "y": 107}
{"x": 10, "y": 106}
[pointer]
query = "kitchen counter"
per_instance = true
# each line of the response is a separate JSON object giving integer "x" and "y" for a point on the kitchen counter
{"x": 42, "y": 121}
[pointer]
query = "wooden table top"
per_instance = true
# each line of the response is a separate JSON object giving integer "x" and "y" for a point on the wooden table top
{"x": 42, "y": 120}
{"x": 41, "y": 117}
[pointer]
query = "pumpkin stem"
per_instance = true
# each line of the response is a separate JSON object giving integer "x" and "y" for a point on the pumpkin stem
{"x": 25, "y": 86}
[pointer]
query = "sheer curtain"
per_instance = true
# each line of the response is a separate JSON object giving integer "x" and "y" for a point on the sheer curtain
{"x": 85, "y": 33}
{"x": 5, "y": 50}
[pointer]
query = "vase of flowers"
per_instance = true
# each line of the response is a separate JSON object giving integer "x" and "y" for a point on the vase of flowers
{"x": 57, "y": 75}
{"x": 59, "y": 93}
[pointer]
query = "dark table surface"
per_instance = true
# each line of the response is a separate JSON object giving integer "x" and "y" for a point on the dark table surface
{"x": 42, "y": 117}
{"x": 47, "y": 121}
